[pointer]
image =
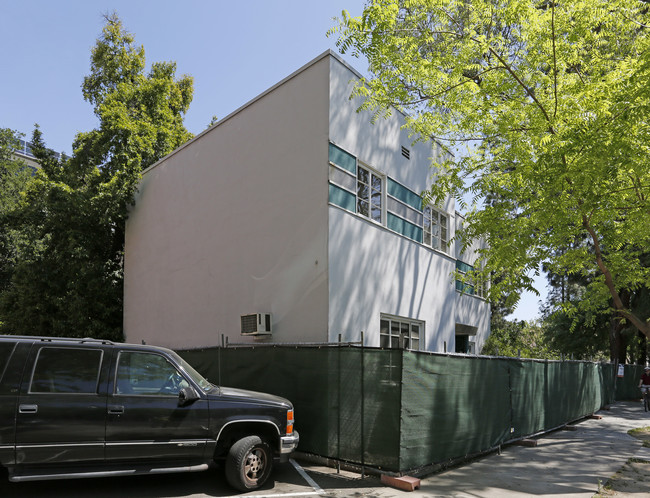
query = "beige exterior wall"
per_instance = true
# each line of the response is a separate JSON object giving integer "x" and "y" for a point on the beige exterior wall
{"x": 239, "y": 221}
{"x": 235, "y": 222}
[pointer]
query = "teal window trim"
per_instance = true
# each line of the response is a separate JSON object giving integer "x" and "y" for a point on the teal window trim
{"x": 463, "y": 267}
{"x": 404, "y": 227}
{"x": 342, "y": 159}
{"x": 461, "y": 286}
{"x": 464, "y": 287}
{"x": 400, "y": 192}
{"x": 342, "y": 198}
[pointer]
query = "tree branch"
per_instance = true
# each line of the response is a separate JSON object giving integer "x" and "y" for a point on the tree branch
{"x": 554, "y": 57}
{"x": 609, "y": 282}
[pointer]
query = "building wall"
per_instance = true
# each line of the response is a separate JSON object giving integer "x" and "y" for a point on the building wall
{"x": 239, "y": 221}
{"x": 235, "y": 222}
{"x": 468, "y": 306}
{"x": 373, "y": 270}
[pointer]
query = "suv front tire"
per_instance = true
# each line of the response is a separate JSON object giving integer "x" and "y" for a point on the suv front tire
{"x": 248, "y": 464}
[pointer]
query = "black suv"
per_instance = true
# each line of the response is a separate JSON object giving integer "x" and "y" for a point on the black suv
{"x": 85, "y": 407}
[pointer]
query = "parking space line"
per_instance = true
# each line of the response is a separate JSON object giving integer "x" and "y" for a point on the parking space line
{"x": 304, "y": 475}
{"x": 280, "y": 495}
{"x": 317, "y": 489}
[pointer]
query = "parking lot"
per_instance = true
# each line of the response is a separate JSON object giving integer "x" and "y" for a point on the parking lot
{"x": 564, "y": 463}
{"x": 288, "y": 480}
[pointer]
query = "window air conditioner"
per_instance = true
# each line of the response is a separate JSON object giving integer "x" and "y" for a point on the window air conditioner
{"x": 256, "y": 324}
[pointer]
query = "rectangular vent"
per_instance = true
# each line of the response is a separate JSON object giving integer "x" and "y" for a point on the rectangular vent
{"x": 406, "y": 153}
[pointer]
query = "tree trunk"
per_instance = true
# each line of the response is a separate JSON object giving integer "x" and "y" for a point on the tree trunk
{"x": 617, "y": 343}
{"x": 622, "y": 310}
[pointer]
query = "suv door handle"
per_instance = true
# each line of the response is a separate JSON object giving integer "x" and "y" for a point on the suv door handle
{"x": 115, "y": 409}
{"x": 27, "y": 408}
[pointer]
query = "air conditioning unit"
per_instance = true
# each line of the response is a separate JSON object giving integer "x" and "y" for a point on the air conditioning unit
{"x": 256, "y": 324}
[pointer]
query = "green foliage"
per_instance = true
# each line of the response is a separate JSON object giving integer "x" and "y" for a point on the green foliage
{"x": 14, "y": 176}
{"x": 551, "y": 102}
{"x": 71, "y": 284}
{"x": 575, "y": 325}
{"x": 582, "y": 336}
{"x": 518, "y": 339}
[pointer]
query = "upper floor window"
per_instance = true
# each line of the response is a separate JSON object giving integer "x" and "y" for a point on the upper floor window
{"x": 369, "y": 194}
{"x": 436, "y": 231}
{"x": 474, "y": 286}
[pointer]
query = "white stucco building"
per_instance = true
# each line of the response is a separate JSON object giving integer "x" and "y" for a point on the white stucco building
{"x": 297, "y": 206}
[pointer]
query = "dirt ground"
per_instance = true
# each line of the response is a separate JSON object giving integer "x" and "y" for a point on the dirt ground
{"x": 633, "y": 480}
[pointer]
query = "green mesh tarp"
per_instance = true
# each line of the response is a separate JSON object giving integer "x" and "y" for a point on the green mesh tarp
{"x": 546, "y": 395}
{"x": 451, "y": 407}
{"x": 627, "y": 387}
{"x": 399, "y": 410}
{"x": 346, "y": 401}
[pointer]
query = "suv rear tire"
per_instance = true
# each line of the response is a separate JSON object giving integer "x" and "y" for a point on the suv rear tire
{"x": 248, "y": 464}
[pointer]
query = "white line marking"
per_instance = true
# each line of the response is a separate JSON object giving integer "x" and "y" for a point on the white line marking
{"x": 317, "y": 489}
{"x": 283, "y": 495}
{"x": 304, "y": 475}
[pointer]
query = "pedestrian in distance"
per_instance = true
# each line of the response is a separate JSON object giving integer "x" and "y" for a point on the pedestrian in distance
{"x": 644, "y": 385}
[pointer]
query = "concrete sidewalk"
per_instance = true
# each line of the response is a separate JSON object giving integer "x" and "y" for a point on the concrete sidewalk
{"x": 564, "y": 463}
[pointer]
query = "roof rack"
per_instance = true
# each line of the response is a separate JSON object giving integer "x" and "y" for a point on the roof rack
{"x": 78, "y": 340}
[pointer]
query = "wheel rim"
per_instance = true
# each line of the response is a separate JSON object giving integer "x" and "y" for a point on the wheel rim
{"x": 255, "y": 465}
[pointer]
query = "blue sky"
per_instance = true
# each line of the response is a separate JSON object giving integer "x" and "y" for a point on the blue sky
{"x": 234, "y": 50}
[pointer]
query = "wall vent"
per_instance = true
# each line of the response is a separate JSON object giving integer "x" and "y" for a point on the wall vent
{"x": 406, "y": 153}
{"x": 256, "y": 324}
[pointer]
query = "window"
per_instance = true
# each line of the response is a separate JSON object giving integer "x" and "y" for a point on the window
{"x": 147, "y": 374}
{"x": 66, "y": 370}
{"x": 397, "y": 333}
{"x": 481, "y": 287}
{"x": 342, "y": 178}
{"x": 6, "y": 348}
{"x": 369, "y": 194}
{"x": 436, "y": 233}
{"x": 476, "y": 286}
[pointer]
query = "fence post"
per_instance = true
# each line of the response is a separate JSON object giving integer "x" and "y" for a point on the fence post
{"x": 219, "y": 359}
{"x": 363, "y": 402}
{"x": 338, "y": 422}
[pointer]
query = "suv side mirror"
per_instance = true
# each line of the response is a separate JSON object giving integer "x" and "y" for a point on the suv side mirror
{"x": 186, "y": 396}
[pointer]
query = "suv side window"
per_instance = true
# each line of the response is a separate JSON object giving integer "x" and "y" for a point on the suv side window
{"x": 66, "y": 370}
{"x": 147, "y": 374}
{"x": 6, "y": 348}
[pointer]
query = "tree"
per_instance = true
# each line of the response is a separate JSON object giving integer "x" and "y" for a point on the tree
{"x": 519, "y": 339}
{"x": 14, "y": 176}
{"x": 76, "y": 208}
{"x": 551, "y": 101}
{"x": 590, "y": 331}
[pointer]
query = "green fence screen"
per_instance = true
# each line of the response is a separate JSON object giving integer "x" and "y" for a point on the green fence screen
{"x": 400, "y": 410}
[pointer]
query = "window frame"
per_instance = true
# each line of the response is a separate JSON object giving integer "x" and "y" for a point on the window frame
{"x": 443, "y": 242}
{"x": 64, "y": 348}
{"x": 477, "y": 287}
{"x": 372, "y": 174}
{"x": 157, "y": 394}
{"x": 401, "y": 343}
